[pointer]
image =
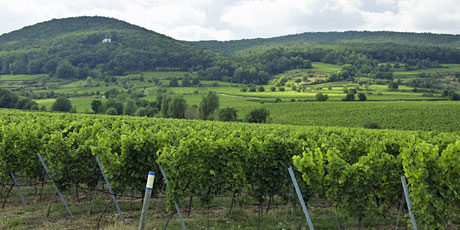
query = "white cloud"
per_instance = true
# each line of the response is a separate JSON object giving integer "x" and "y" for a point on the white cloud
{"x": 277, "y": 17}
{"x": 196, "y": 33}
{"x": 158, "y": 15}
{"x": 439, "y": 16}
{"x": 229, "y": 19}
{"x": 387, "y": 2}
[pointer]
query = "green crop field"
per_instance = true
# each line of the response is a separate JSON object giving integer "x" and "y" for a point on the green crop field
{"x": 290, "y": 109}
{"x": 155, "y": 75}
{"x": 408, "y": 115}
{"x": 448, "y": 68}
{"x": 222, "y": 174}
{"x": 21, "y": 77}
{"x": 320, "y": 67}
{"x": 82, "y": 104}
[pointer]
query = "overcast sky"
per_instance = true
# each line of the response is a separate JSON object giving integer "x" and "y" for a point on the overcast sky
{"x": 237, "y": 19}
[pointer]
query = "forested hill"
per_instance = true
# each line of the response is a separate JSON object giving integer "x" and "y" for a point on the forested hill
{"x": 42, "y": 33}
{"x": 76, "y": 44}
{"x": 413, "y": 39}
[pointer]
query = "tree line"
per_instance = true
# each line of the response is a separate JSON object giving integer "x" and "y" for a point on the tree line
{"x": 11, "y": 100}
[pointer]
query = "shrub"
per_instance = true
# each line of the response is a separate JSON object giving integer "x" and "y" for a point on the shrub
{"x": 349, "y": 97}
{"x": 227, "y": 114}
{"x": 454, "y": 97}
{"x": 258, "y": 116}
{"x": 371, "y": 125}
{"x": 321, "y": 97}
{"x": 362, "y": 97}
{"x": 111, "y": 111}
{"x": 62, "y": 104}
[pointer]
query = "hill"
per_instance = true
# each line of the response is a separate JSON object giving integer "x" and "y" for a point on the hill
{"x": 74, "y": 45}
{"x": 366, "y": 37}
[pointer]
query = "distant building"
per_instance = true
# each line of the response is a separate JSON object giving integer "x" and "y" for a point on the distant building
{"x": 106, "y": 39}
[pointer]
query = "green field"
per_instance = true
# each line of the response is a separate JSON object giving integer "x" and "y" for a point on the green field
{"x": 440, "y": 116}
{"x": 448, "y": 68}
{"x": 402, "y": 109}
{"x": 21, "y": 77}
{"x": 398, "y": 109}
{"x": 82, "y": 104}
{"x": 320, "y": 67}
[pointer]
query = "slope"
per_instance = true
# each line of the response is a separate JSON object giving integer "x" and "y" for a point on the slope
{"x": 43, "y": 47}
{"x": 400, "y": 38}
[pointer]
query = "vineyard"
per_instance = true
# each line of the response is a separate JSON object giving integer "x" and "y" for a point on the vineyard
{"x": 403, "y": 115}
{"x": 356, "y": 171}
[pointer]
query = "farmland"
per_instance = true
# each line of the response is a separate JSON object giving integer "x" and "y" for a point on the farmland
{"x": 245, "y": 157}
{"x": 400, "y": 109}
{"x": 405, "y": 115}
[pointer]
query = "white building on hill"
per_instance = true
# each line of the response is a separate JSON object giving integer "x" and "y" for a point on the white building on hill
{"x": 106, "y": 39}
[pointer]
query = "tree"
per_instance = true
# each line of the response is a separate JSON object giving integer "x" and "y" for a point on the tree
{"x": 191, "y": 113}
{"x": 227, "y": 114}
{"x": 140, "y": 112}
{"x": 26, "y": 103}
{"x": 362, "y": 97}
{"x": 177, "y": 108}
{"x": 321, "y": 97}
{"x": 165, "y": 100}
{"x": 111, "y": 111}
{"x": 349, "y": 97}
{"x": 62, "y": 104}
{"x": 208, "y": 105}
{"x": 371, "y": 125}
{"x": 34, "y": 66}
{"x": 151, "y": 111}
{"x": 96, "y": 106}
{"x": 173, "y": 82}
{"x": 454, "y": 96}
{"x": 196, "y": 81}
{"x": 65, "y": 70}
{"x": 393, "y": 85}
{"x": 7, "y": 99}
{"x": 261, "y": 89}
{"x": 186, "y": 82}
{"x": 146, "y": 111}
{"x": 347, "y": 71}
{"x": 112, "y": 103}
{"x": 129, "y": 108}
{"x": 258, "y": 116}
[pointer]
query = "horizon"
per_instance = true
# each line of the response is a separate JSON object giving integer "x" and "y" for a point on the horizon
{"x": 200, "y": 20}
